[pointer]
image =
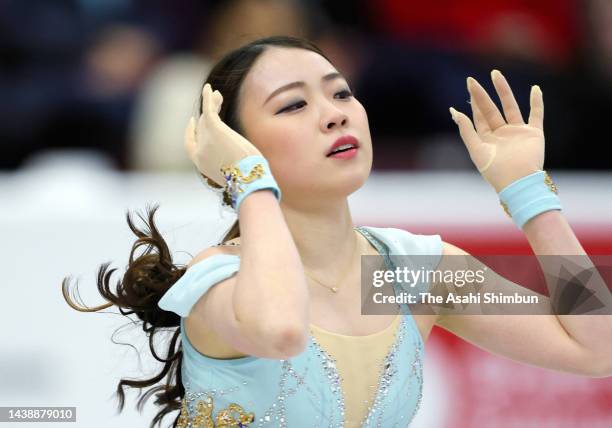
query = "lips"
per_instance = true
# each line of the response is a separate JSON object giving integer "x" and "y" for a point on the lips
{"x": 345, "y": 139}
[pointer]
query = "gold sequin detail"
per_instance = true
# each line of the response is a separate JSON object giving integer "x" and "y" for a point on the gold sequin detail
{"x": 547, "y": 180}
{"x": 505, "y": 207}
{"x": 234, "y": 175}
{"x": 551, "y": 185}
{"x": 232, "y": 416}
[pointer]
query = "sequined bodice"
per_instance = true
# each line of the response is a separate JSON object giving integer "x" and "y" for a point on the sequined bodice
{"x": 303, "y": 391}
{"x": 360, "y": 362}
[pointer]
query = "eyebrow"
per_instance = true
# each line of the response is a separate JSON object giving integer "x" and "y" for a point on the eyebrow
{"x": 298, "y": 84}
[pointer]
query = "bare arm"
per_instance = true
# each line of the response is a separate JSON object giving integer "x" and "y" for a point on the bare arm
{"x": 263, "y": 310}
{"x": 504, "y": 149}
{"x": 580, "y": 344}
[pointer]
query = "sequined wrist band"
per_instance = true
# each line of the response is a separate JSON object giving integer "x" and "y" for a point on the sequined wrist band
{"x": 246, "y": 176}
{"x": 529, "y": 196}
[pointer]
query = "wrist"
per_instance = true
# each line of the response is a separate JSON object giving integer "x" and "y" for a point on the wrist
{"x": 529, "y": 196}
{"x": 501, "y": 183}
{"x": 246, "y": 176}
{"x": 258, "y": 200}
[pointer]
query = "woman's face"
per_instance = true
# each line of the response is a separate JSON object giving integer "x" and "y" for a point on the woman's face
{"x": 293, "y": 106}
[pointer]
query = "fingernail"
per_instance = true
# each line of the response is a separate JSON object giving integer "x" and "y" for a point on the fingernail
{"x": 494, "y": 72}
{"x": 537, "y": 88}
{"x": 453, "y": 113}
{"x": 470, "y": 81}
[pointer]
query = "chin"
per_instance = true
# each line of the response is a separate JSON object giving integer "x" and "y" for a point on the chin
{"x": 339, "y": 183}
{"x": 338, "y": 187}
{"x": 348, "y": 185}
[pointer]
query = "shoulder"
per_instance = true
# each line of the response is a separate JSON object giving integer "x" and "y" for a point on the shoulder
{"x": 198, "y": 328}
{"x": 449, "y": 249}
{"x": 228, "y": 248}
{"x": 401, "y": 241}
{"x": 454, "y": 258}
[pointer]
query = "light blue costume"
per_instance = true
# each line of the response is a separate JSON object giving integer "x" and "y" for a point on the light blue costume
{"x": 303, "y": 391}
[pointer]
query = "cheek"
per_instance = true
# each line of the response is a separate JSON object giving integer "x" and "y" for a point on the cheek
{"x": 287, "y": 147}
{"x": 292, "y": 160}
{"x": 361, "y": 123}
{"x": 362, "y": 116}
{"x": 278, "y": 142}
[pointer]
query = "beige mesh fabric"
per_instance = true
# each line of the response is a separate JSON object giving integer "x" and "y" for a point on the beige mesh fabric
{"x": 359, "y": 361}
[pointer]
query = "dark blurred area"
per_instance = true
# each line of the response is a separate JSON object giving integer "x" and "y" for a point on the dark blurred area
{"x": 121, "y": 77}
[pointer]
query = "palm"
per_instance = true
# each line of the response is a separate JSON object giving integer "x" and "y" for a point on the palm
{"x": 503, "y": 149}
{"x": 210, "y": 143}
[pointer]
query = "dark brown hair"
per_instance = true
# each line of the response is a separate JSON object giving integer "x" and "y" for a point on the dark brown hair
{"x": 151, "y": 272}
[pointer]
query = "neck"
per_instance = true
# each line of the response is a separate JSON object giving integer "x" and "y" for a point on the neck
{"x": 324, "y": 236}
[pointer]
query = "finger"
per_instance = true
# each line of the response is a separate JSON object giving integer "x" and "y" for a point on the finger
{"x": 482, "y": 127}
{"x": 466, "y": 129}
{"x": 205, "y": 91}
{"x": 218, "y": 101}
{"x": 209, "y": 118}
{"x": 509, "y": 104}
{"x": 485, "y": 104}
{"x": 190, "y": 137}
{"x": 536, "y": 115}
{"x": 208, "y": 107}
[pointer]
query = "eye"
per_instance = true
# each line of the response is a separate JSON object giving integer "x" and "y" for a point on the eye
{"x": 344, "y": 94}
{"x": 292, "y": 107}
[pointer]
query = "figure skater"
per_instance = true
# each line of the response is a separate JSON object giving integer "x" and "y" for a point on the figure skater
{"x": 267, "y": 324}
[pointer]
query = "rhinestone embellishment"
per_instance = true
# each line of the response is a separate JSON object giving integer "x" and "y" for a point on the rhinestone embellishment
{"x": 551, "y": 185}
{"x": 335, "y": 380}
{"x": 234, "y": 179}
{"x": 388, "y": 370}
{"x": 232, "y": 416}
{"x": 310, "y": 378}
{"x": 505, "y": 207}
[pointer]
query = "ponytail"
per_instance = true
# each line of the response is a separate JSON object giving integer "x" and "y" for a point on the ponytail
{"x": 147, "y": 278}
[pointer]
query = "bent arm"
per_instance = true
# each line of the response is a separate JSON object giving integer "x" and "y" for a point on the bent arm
{"x": 548, "y": 234}
{"x": 263, "y": 310}
{"x": 578, "y": 344}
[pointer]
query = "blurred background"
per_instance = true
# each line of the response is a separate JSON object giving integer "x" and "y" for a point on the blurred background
{"x": 95, "y": 95}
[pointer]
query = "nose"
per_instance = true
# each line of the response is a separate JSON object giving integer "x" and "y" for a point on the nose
{"x": 333, "y": 118}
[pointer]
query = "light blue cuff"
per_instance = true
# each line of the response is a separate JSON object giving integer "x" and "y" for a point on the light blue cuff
{"x": 529, "y": 196}
{"x": 240, "y": 190}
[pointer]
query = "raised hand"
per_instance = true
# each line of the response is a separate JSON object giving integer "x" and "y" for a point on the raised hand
{"x": 503, "y": 150}
{"x": 210, "y": 143}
